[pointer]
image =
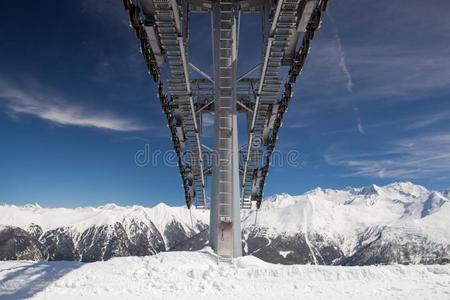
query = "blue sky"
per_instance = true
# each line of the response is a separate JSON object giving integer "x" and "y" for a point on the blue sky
{"x": 76, "y": 102}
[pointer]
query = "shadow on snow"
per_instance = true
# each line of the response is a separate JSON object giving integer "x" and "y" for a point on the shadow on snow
{"x": 29, "y": 279}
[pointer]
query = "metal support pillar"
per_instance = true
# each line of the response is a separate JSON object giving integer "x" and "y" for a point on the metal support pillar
{"x": 225, "y": 225}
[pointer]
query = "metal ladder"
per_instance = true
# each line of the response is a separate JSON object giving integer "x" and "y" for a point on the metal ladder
{"x": 224, "y": 108}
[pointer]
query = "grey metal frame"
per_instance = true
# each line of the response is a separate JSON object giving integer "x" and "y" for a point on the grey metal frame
{"x": 225, "y": 227}
{"x": 163, "y": 33}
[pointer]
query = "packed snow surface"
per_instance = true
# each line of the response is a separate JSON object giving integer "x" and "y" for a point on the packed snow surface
{"x": 199, "y": 275}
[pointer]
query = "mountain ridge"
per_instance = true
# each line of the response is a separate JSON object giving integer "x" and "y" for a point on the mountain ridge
{"x": 396, "y": 223}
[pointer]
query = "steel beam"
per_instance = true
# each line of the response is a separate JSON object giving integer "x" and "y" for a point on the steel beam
{"x": 164, "y": 34}
{"x": 225, "y": 224}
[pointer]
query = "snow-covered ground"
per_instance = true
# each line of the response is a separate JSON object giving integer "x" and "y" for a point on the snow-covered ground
{"x": 198, "y": 275}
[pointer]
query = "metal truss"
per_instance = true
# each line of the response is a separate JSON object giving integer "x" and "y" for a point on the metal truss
{"x": 162, "y": 30}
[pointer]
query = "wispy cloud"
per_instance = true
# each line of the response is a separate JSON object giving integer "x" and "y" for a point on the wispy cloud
{"x": 343, "y": 66}
{"x": 392, "y": 67}
{"x": 359, "y": 125}
{"x": 426, "y": 156}
{"x": 428, "y": 120}
{"x": 404, "y": 124}
{"x": 45, "y": 105}
{"x": 405, "y": 74}
{"x": 341, "y": 54}
{"x": 208, "y": 120}
{"x": 208, "y": 124}
{"x": 297, "y": 125}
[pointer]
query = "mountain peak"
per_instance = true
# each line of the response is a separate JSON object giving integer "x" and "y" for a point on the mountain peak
{"x": 369, "y": 190}
{"x": 32, "y": 205}
{"x": 405, "y": 185}
{"x": 161, "y": 205}
{"x": 109, "y": 206}
{"x": 407, "y": 188}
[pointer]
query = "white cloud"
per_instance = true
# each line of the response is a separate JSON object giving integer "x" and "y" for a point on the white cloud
{"x": 60, "y": 111}
{"x": 360, "y": 127}
{"x": 358, "y": 120}
{"x": 208, "y": 119}
{"x": 428, "y": 120}
{"x": 386, "y": 68}
{"x": 297, "y": 125}
{"x": 426, "y": 156}
{"x": 341, "y": 54}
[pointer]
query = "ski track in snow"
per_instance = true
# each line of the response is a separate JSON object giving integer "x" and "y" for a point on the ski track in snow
{"x": 198, "y": 275}
{"x": 311, "y": 202}
{"x": 305, "y": 231}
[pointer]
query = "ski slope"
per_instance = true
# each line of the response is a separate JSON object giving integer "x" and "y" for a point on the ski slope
{"x": 199, "y": 275}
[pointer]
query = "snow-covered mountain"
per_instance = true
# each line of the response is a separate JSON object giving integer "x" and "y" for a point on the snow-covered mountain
{"x": 94, "y": 233}
{"x": 397, "y": 223}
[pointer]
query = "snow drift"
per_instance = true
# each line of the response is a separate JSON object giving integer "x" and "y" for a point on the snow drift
{"x": 198, "y": 275}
